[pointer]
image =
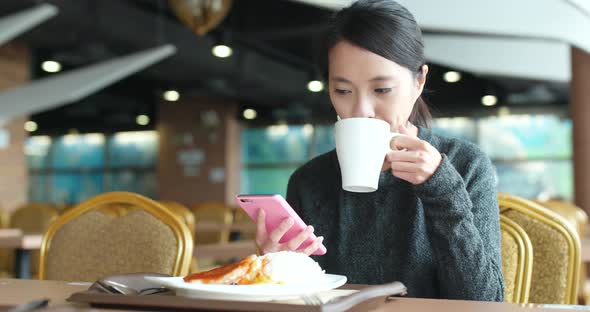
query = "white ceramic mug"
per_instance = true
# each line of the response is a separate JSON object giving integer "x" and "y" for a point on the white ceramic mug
{"x": 361, "y": 146}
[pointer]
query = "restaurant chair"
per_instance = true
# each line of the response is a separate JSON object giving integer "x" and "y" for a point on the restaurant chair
{"x": 556, "y": 250}
{"x": 212, "y": 213}
{"x": 114, "y": 209}
{"x": 218, "y": 218}
{"x": 517, "y": 261}
{"x": 4, "y": 218}
{"x": 574, "y": 214}
{"x": 85, "y": 244}
{"x": 188, "y": 218}
{"x": 579, "y": 219}
{"x": 6, "y": 257}
{"x": 182, "y": 212}
{"x": 32, "y": 218}
{"x": 241, "y": 217}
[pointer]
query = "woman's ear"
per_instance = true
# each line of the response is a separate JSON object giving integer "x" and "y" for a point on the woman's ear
{"x": 421, "y": 78}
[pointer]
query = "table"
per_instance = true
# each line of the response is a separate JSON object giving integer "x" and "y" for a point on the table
{"x": 23, "y": 243}
{"x": 13, "y": 291}
{"x": 226, "y": 251}
{"x": 18, "y": 291}
{"x": 15, "y": 238}
{"x": 439, "y": 305}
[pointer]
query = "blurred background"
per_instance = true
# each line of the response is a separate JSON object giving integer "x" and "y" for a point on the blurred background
{"x": 199, "y": 100}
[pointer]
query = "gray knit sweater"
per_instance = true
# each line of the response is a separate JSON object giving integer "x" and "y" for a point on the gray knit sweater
{"x": 440, "y": 238}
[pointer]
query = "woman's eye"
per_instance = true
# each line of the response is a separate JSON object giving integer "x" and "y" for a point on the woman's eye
{"x": 383, "y": 90}
{"x": 341, "y": 91}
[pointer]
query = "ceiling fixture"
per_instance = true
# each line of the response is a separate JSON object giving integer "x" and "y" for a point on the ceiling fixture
{"x": 222, "y": 51}
{"x": 489, "y": 100}
{"x": 17, "y": 23}
{"x": 171, "y": 95}
{"x": 51, "y": 66}
{"x": 201, "y": 16}
{"x": 452, "y": 76}
{"x": 31, "y": 126}
{"x": 142, "y": 120}
{"x": 315, "y": 86}
{"x": 250, "y": 114}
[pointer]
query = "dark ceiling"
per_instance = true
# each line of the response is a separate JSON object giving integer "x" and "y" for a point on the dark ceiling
{"x": 275, "y": 42}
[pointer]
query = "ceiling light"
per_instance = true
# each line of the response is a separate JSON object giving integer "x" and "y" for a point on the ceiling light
{"x": 171, "y": 95}
{"x": 142, "y": 120}
{"x": 222, "y": 51}
{"x": 250, "y": 114}
{"x": 452, "y": 76}
{"x": 489, "y": 100}
{"x": 51, "y": 66}
{"x": 315, "y": 86}
{"x": 31, "y": 126}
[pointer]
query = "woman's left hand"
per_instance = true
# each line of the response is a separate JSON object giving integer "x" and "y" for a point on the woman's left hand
{"x": 412, "y": 159}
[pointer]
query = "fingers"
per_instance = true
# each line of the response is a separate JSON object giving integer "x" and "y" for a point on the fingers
{"x": 294, "y": 243}
{"x": 279, "y": 231}
{"x": 270, "y": 243}
{"x": 313, "y": 246}
{"x": 408, "y": 167}
{"x": 412, "y": 159}
{"x": 408, "y": 156}
{"x": 260, "y": 228}
{"x": 401, "y": 142}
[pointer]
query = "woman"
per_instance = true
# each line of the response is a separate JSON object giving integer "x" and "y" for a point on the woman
{"x": 433, "y": 224}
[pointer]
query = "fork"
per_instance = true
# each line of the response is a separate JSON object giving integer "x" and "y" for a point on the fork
{"x": 312, "y": 299}
{"x": 118, "y": 288}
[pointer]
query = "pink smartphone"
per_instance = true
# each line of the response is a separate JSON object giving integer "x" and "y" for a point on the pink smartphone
{"x": 277, "y": 209}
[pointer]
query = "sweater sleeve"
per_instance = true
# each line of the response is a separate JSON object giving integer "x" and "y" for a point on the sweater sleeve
{"x": 462, "y": 220}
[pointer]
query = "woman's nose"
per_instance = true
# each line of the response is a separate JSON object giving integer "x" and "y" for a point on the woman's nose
{"x": 363, "y": 107}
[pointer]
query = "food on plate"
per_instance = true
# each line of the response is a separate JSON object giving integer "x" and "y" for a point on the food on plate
{"x": 284, "y": 267}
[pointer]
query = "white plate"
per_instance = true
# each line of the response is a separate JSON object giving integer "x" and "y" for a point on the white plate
{"x": 248, "y": 292}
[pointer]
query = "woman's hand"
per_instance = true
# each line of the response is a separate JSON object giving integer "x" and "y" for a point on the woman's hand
{"x": 270, "y": 242}
{"x": 412, "y": 159}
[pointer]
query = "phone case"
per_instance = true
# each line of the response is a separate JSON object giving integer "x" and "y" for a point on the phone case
{"x": 277, "y": 209}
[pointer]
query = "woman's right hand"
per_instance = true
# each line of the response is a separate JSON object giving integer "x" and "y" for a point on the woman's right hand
{"x": 270, "y": 242}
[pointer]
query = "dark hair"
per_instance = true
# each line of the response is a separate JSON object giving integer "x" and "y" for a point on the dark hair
{"x": 388, "y": 29}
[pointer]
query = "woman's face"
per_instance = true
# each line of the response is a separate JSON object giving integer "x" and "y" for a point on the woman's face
{"x": 364, "y": 84}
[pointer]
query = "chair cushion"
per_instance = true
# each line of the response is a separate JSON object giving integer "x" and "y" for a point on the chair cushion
{"x": 95, "y": 245}
{"x": 550, "y": 261}
{"x": 509, "y": 265}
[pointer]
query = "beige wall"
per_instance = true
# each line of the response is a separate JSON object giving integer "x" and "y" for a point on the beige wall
{"x": 14, "y": 71}
{"x": 195, "y": 151}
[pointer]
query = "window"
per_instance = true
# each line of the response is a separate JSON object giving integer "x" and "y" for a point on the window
{"x": 458, "y": 127}
{"x": 270, "y": 155}
{"x": 72, "y": 168}
{"x": 531, "y": 153}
